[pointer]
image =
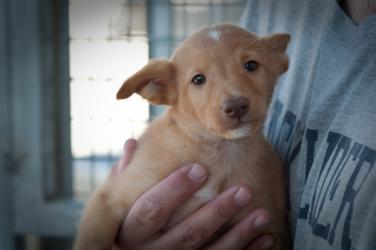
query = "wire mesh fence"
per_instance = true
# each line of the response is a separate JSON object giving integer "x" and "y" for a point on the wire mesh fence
{"x": 108, "y": 42}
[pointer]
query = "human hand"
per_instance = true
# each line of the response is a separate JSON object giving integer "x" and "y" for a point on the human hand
{"x": 142, "y": 229}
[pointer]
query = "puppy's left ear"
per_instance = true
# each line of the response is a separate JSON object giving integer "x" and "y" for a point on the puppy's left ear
{"x": 154, "y": 82}
{"x": 277, "y": 44}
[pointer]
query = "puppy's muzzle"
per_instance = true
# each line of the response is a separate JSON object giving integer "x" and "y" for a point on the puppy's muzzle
{"x": 235, "y": 108}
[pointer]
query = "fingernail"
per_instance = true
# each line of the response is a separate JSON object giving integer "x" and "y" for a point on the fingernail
{"x": 260, "y": 221}
{"x": 128, "y": 143}
{"x": 242, "y": 197}
{"x": 197, "y": 173}
{"x": 267, "y": 244}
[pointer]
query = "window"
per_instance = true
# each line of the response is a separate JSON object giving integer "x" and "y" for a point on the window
{"x": 108, "y": 43}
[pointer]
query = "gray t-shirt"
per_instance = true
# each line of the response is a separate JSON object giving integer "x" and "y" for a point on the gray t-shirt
{"x": 322, "y": 120}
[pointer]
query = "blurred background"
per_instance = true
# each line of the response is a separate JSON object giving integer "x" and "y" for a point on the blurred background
{"x": 61, "y": 128}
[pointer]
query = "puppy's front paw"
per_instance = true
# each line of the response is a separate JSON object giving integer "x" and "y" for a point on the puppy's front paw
{"x": 100, "y": 222}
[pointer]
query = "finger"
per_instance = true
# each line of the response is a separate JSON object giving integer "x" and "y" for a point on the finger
{"x": 198, "y": 227}
{"x": 114, "y": 168}
{"x": 264, "y": 241}
{"x": 129, "y": 148}
{"x": 244, "y": 231}
{"x": 152, "y": 210}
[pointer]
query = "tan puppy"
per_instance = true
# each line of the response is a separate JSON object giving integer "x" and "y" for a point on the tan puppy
{"x": 218, "y": 85}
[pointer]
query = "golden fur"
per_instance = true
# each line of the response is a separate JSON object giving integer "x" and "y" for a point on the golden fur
{"x": 195, "y": 130}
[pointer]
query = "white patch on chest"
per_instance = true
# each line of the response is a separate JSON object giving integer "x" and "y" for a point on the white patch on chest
{"x": 214, "y": 34}
{"x": 238, "y": 133}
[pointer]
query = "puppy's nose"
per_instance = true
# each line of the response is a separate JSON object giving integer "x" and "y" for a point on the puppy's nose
{"x": 236, "y": 107}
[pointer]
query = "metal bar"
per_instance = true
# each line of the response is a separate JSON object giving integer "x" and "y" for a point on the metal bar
{"x": 6, "y": 191}
{"x": 211, "y": 14}
{"x": 110, "y": 38}
{"x": 208, "y": 4}
{"x": 92, "y": 181}
{"x": 185, "y": 28}
{"x": 159, "y": 27}
{"x": 57, "y": 170}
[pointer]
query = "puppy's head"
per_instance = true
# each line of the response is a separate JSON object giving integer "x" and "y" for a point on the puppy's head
{"x": 219, "y": 80}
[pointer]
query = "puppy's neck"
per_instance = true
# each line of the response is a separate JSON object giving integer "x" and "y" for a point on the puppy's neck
{"x": 222, "y": 157}
{"x": 197, "y": 134}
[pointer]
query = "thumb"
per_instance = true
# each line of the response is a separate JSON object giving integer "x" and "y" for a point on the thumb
{"x": 128, "y": 150}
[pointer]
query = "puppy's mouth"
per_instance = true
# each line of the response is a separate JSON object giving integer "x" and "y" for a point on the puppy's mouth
{"x": 242, "y": 128}
{"x": 241, "y": 124}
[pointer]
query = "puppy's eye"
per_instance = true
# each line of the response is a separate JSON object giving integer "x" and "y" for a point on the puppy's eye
{"x": 251, "y": 65}
{"x": 198, "y": 79}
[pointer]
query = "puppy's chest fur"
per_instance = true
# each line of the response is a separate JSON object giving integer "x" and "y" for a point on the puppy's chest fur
{"x": 228, "y": 162}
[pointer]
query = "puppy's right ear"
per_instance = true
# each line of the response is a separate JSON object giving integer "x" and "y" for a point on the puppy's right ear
{"x": 154, "y": 82}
